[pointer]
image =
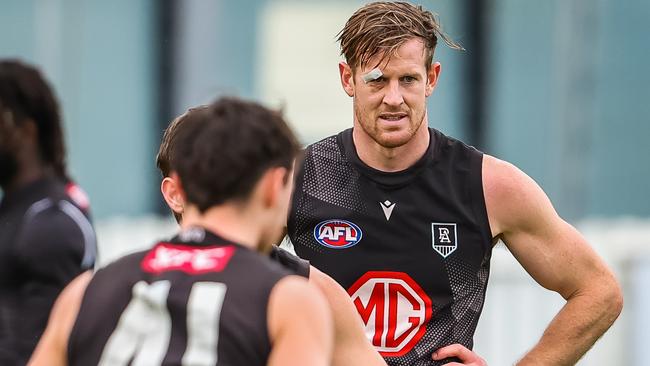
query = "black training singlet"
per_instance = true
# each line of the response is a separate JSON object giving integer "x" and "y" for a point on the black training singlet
{"x": 46, "y": 240}
{"x": 412, "y": 247}
{"x": 195, "y": 300}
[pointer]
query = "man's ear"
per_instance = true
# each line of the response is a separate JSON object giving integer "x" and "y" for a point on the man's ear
{"x": 172, "y": 193}
{"x": 347, "y": 79}
{"x": 432, "y": 77}
{"x": 272, "y": 185}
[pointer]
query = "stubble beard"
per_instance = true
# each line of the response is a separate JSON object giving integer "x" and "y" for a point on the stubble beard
{"x": 370, "y": 128}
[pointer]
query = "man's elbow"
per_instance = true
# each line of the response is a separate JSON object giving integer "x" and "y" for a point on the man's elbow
{"x": 611, "y": 299}
{"x": 616, "y": 299}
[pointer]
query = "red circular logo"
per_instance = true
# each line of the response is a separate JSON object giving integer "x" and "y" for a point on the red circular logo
{"x": 394, "y": 309}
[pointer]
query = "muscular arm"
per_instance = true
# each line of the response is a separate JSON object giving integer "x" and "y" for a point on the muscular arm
{"x": 351, "y": 347}
{"x": 557, "y": 257}
{"x": 300, "y": 325}
{"x": 52, "y": 347}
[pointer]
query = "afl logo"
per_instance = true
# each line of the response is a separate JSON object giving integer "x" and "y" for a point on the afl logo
{"x": 337, "y": 234}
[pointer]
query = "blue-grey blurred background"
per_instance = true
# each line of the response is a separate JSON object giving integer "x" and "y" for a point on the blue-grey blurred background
{"x": 559, "y": 88}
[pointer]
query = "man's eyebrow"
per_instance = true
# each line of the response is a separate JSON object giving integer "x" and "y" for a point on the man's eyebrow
{"x": 373, "y": 75}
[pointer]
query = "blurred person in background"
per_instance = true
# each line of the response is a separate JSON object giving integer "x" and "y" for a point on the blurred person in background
{"x": 405, "y": 217}
{"x": 351, "y": 347}
{"x": 210, "y": 295}
{"x": 46, "y": 238}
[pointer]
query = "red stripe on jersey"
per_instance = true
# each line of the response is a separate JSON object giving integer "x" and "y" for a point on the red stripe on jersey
{"x": 77, "y": 195}
{"x": 189, "y": 259}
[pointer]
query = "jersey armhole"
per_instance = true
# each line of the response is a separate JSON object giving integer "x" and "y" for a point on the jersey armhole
{"x": 478, "y": 200}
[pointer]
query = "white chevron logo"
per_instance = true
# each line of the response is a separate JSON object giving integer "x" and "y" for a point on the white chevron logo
{"x": 387, "y": 206}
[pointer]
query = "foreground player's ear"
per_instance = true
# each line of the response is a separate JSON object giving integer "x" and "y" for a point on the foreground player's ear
{"x": 432, "y": 77}
{"x": 347, "y": 81}
{"x": 272, "y": 186}
{"x": 170, "y": 189}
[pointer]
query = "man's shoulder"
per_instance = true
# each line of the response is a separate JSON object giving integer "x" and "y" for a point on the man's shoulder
{"x": 270, "y": 266}
{"x": 499, "y": 174}
{"x": 450, "y": 142}
{"x": 325, "y": 151}
{"x": 54, "y": 218}
{"x": 57, "y": 204}
{"x": 327, "y": 144}
{"x": 511, "y": 196}
{"x": 128, "y": 263}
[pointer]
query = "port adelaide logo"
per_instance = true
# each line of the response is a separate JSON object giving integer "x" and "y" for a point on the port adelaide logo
{"x": 337, "y": 234}
{"x": 445, "y": 240}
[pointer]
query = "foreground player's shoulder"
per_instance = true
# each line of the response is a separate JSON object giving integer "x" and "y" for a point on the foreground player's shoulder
{"x": 295, "y": 288}
{"x": 300, "y": 324}
{"x": 126, "y": 266}
{"x": 294, "y": 298}
{"x": 69, "y": 301}
{"x": 512, "y": 198}
{"x": 326, "y": 284}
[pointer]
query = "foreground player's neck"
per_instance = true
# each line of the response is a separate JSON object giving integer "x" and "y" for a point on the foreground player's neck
{"x": 391, "y": 159}
{"x": 228, "y": 221}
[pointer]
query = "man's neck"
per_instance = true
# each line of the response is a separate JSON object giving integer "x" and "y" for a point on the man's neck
{"x": 391, "y": 159}
{"x": 28, "y": 173}
{"x": 228, "y": 221}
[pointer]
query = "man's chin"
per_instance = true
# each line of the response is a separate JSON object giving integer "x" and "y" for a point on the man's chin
{"x": 393, "y": 139}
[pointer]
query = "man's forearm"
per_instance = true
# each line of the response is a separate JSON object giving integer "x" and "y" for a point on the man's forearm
{"x": 578, "y": 325}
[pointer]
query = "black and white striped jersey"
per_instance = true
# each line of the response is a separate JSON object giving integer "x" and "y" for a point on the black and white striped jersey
{"x": 197, "y": 299}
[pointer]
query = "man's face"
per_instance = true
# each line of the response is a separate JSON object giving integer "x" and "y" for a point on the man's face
{"x": 282, "y": 203}
{"x": 391, "y": 109}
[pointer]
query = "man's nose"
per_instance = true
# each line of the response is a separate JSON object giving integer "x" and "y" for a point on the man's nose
{"x": 393, "y": 96}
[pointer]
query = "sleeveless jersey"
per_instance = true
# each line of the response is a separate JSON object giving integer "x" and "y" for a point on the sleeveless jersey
{"x": 46, "y": 240}
{"x": 411, "y": 247}
{"x": 196, "y": 300}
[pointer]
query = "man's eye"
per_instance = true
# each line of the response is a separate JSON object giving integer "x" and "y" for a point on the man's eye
{"x": 408, "y": 79}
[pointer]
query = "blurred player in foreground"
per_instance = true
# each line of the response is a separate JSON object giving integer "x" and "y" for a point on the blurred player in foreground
{"x": 351, "y": 346}
{"x": 405, "y": 217}
{"x": 46, "y": 239}
{"x": 210, "y": 295}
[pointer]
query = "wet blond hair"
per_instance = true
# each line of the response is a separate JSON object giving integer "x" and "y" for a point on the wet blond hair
{"x": 382, "y": 27}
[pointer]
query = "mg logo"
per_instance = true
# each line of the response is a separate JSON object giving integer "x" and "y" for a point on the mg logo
{"x": 394, "y": 309}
